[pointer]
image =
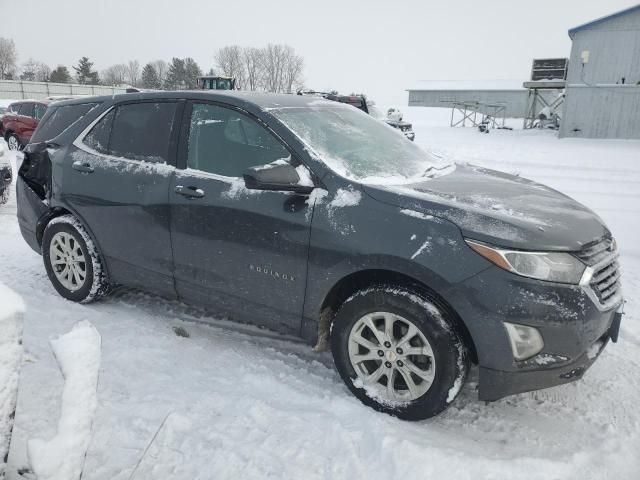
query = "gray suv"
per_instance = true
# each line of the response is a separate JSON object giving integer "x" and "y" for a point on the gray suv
{"x": 311, "y": 218}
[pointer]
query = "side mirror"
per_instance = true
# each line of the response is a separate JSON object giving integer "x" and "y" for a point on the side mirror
{"x": 275, "y": 176}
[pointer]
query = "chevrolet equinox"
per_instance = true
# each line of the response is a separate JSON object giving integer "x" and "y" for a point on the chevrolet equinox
{"x": 311, "y": 218}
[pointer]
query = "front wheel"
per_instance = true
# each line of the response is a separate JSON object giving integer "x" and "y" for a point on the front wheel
{"x": 72, "y": 261}
{"x": 398, "y": 352}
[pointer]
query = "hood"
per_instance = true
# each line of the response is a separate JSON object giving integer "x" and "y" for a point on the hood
{"x": 500, "y": 209}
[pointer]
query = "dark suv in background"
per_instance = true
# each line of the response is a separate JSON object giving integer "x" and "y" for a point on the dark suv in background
{"x": 20, "y": 120}
{"x": 311, "y": 218}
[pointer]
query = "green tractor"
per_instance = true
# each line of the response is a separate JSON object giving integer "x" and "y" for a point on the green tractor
{"x": 215, "y": 82}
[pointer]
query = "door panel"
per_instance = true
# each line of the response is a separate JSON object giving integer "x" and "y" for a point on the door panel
{"x": 240, "y": 252}
{"x": 117, "y": 179}
{"x": 124, "y": 203}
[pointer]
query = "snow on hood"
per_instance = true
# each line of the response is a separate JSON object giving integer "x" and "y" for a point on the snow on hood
{"x": 499, "y": 208}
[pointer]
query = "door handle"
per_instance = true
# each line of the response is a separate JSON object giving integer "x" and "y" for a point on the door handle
{"x": 189, "y": 192}
{"x": 84, "y": 167}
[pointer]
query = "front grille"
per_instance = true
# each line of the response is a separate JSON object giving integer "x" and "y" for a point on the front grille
{"x": 602, "y": 277}
{"x": 596, "y": 252}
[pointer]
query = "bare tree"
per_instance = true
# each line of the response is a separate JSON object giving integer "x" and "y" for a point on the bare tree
{"x": 43, "y": 72}
{"x": 115, "y": 74}
{"x": 8, "y": 58}
{"x": 29, "y": 70}
{"x": 293, "y": 68}
{"x": 162, "y": 68}
{"x": 133, "y": 72}
{"x": 229, "y": 60}
{"x": 274, "y": 68}
{"x": 35, "y": 71}
{"x": 252, "y": 59}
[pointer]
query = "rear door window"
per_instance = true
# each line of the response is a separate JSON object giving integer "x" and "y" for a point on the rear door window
{"x": 142, "y": 131}
{"x": 26, "y": 109}
{"x": 136, "y": 131}
{"x": 59, "y": 120}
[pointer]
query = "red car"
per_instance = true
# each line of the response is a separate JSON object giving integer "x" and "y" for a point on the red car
{"x": 20, "y": 121}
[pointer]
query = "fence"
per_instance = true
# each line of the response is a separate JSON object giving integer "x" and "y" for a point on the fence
{"x": 18, "y": 90}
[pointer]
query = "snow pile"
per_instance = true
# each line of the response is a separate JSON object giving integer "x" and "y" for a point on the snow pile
{"x": 305, "y": 176}
{"x": 346, "y": 198}
{"x": 413, "y": 213}
{"x": 11, "y": 314}
{"x": 78, "y": 356}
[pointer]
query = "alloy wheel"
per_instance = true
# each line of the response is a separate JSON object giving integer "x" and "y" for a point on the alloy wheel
{"x": 391, "y": 356}
{"x": 12, "y": 142}
{"x": 68, "y": 261}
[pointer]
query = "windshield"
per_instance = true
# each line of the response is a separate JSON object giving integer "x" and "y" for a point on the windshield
{"x": 359, "y": 147}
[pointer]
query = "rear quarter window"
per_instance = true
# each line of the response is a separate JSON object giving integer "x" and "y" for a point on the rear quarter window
{"x": 59, "y": 120}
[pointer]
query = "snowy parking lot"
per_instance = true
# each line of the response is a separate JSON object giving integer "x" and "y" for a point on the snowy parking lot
{"x": 223, "y": 401}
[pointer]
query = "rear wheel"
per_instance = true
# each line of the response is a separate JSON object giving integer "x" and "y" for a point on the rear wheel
{"x": 72, "y": 261}
{"x": 4, "y": 195}
{"x": 13, "y": 142}
{"x": 398, "y": 352}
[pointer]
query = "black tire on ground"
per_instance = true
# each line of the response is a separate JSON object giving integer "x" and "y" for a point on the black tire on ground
{"x": 4, "y": 195}
{"x": 450, "y": 355}
{"x": 10, "y": 144}
{"x": 95, "y": 284}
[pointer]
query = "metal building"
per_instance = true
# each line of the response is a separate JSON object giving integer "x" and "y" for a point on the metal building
{"x": 450, "y": 93}
{"x": 603, "y": 82}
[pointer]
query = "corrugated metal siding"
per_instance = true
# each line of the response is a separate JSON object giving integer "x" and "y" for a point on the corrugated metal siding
{"x": 514, "y": 100}
{"x": 18, "y": 90}
{"x": 594, "y": 107}
{"x": 606, "y": 112}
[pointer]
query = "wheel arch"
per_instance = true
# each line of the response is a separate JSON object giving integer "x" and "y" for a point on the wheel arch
{"x": 353, "y": 282}
{"x": 56, "y": 212}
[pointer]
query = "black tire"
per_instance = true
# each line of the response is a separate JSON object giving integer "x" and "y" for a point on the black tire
{"x": 4, "y": 195}
{"x": 95, "y": 284}
{"x": 450, "y": 355}
{"x": 17, "y": 140}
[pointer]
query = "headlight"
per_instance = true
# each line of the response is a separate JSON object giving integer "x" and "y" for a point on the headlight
{"x": 550, "y": 266}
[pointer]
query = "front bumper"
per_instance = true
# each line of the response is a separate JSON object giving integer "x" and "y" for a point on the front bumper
{"x": 572, "y": 326}
{"x": 496, "y": 384}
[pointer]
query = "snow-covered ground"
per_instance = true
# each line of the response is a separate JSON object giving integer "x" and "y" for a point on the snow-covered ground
{"x": 226, "y": 403}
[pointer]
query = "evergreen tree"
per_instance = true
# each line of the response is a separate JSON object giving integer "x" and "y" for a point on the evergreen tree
{"x": 60, "y": 75}
{"x": 85, "y": 73}
{"x": 176, "y": 76}
{"x": 192, "y": 72}
{"x": 150, "y": 78}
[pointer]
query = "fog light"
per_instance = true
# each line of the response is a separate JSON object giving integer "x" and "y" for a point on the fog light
{"x": 525, "y": 341}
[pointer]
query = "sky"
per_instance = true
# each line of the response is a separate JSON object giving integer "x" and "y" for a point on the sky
{"x": 380, "y": 48}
